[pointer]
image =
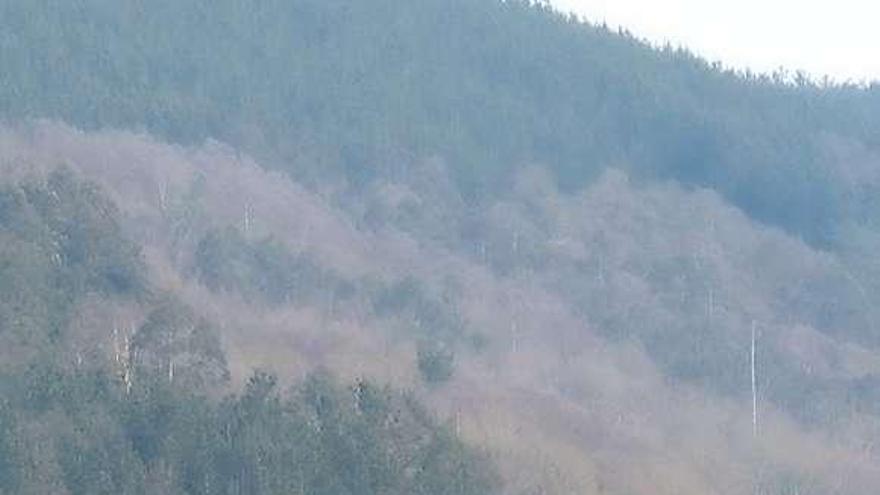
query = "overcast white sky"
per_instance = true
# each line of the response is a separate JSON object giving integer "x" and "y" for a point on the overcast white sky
{"x": 840, "y": 38}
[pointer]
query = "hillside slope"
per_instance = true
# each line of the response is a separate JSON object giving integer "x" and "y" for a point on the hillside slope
{"x": 564, "y": 243}
{"x": 592, "y": 336}
{"x": 355, "y": 90}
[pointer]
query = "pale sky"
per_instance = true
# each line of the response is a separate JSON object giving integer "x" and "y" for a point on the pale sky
{"x": 838, "y": 38}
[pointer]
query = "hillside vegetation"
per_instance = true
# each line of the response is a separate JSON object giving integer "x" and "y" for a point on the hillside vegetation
{"x": 359, "y": 89}
{"x": 431, "y": 247}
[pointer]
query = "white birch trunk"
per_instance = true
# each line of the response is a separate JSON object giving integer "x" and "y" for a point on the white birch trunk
{"x": 754, "y": 380}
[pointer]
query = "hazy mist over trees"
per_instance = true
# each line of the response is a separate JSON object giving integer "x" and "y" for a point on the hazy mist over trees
{"x": 425, "y": 247}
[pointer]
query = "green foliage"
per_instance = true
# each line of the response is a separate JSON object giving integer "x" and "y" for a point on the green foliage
{"x": 434, "y": 321}
{"x": 173, "y": 341}
{"x": 433, "y": 317}
{"x": 265, "y": 270}
{"x": 9, "y": 463}
{"x": 445, "y": 469}
{"x": 356, "y": 93}
{"x": 358, "y": 87}
{"x": 319, "y": 438}
{"x": 95, "y": 458}
{"x": 149, "y": 421}
{"x": 60, "y": 239}
{"x": 436, "y": 363}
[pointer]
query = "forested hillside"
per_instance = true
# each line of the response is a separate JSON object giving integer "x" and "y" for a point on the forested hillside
{"x": 425, "y": 247}
{"x": 357, "y": 89}
{"x": 90, "y": 406}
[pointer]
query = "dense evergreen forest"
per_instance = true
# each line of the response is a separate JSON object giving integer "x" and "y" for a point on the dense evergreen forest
{"x": 354, "y": 89}
{"x": 425, "y": 247}
{"x": 144, "y": 416}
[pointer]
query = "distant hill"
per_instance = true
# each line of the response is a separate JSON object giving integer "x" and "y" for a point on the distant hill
{"x": 358, "y": 88}
{"x": 531, "y": 251}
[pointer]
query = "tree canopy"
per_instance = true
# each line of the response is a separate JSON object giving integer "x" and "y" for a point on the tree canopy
{"x": 357, "y": 89}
